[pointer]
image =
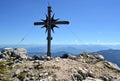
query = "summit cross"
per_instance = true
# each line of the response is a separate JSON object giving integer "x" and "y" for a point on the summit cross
{"x": 49, "y": 23}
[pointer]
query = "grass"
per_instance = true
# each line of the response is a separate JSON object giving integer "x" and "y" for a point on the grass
{"x": 21, "y": 76}
{"x": 4, "y": 71}
{"x": 2, "y": 67}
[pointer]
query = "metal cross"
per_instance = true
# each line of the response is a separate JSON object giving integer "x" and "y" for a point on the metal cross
{"x": 49, "y": 24}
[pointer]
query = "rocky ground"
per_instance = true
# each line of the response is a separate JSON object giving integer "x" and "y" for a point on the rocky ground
{"x": 15, "y": 65}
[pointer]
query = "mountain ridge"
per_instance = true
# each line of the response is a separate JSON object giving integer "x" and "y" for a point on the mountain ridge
{"x": 16, "y": 65}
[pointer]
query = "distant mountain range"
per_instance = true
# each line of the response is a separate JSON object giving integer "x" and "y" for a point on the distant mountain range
{"x": 58, "y": 50}
{"x": 108, "y": 51}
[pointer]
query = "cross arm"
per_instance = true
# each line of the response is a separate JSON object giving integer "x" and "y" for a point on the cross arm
{"x": 39, "y": 23}
{"x": 62, "y": 22}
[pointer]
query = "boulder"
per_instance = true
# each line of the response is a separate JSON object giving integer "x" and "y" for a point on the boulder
{"x": 45, "y": 57}
{"x": 85, "y": 54}
{"x": 83, "y": 72}
{"x": 17, "y": 53}
{"x": 21, "y": 52}
{"x": 112, "y": 66}
{"x": 3, "y": 55}
{"x": 8, "y": 51}
{"x": 77, "y": 77}
{"x": 69, "y": 56}
{"x": 35, "y": 57}
{"x": 99, "y": 57}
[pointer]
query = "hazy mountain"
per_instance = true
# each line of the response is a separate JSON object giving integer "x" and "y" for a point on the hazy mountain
{"x": 58, "y": 50}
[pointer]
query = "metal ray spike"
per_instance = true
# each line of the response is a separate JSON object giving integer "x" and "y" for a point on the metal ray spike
{"x": 43, "y": 27}
{"x": 52, "y": 30}
{"x": 57, "y": 19}
{"x": 43, "y": 20}
{"x": 56, "y": 26}
{"x": 53, "y": 16}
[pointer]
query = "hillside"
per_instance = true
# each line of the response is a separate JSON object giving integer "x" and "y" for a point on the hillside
{"x": 16, "y": 65}
{"x": 110, "y": 55}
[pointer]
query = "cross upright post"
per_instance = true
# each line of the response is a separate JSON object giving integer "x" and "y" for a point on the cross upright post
{"x": 49, "y": 24}
{"x": 49, "y": 38}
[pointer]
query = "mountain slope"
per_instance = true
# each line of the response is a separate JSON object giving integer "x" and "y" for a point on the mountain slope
{"x": 110, "y": 55}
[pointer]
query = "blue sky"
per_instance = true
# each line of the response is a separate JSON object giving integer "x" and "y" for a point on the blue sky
{"x": 91, "y": 21}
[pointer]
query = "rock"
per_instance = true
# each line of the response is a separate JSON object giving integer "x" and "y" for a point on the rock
{"x": 91, "y": 59}
{"x": 17, "y": 52}
{"x": 82, "y": 68}
{"x": 69, "y": 56}
{"x": 65, "y": 56}
{"x": 10, "y": 63}
{"x": 48, "y": 79}
{"x": 17, "y": 72}
{"x": 26, "y": 79}
{"x": 57, "y": 59}
{"x": 106, "y": 78}
{"x": 83, "y": 72}
{"x": 35, "y": 57}
{"x": 100, "y": 57}
{"x": 91, "y": 74}
{"x": 3, "y": 55}
{"x": 45, "y": 57}
{"x": 85, "y": 54}
{"x": 8, "y": 51}
{"x": 30, "y": 58}
{"x": 112, "y": 66}
{"x": 44, "y": 75}
{"x": 38, "y": 62}
{"x": 77, "y": 77}
{"x": 20, "y": 52}
{"x": 92, "y": 79}
{"x": 32, "y": 79}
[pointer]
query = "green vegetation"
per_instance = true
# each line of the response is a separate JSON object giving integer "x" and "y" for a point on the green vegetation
{"x": 21, "y": 76}
{"x": 2, "y": 67}
{"x": 3, "y": 71}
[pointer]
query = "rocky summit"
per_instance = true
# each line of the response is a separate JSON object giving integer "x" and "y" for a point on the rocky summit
{"x": 16, "y": 65}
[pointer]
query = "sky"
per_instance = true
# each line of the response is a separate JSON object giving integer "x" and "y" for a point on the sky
{"x": 91, "y": 21}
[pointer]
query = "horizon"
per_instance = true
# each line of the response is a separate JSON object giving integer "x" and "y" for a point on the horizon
{"x": 107, "y": 46}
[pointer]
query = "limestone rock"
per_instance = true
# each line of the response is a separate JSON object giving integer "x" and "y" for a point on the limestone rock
{"x": 20, "y": 52}
{"x": 7, "y": 51}
{"x": 84, "y": 67}
{"x": 112, "y": 65}
{"x": 106, "y": 78}
{"x": 100, "y": 57}
{"x": 68, "y": 56}
{"x": 17, "y": 72}
{"x": 17, "y": 53}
